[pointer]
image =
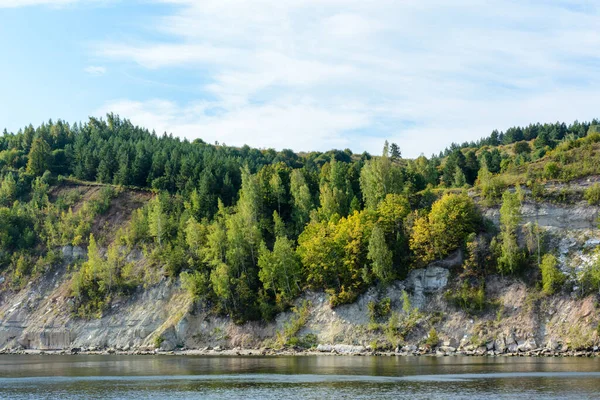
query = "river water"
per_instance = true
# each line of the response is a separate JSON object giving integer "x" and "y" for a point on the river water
{"x": 311, "y": 377}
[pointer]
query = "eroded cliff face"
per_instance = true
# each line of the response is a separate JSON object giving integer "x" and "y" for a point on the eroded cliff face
{"x": 38, "y": 316}
{"x": 576, "y": 217}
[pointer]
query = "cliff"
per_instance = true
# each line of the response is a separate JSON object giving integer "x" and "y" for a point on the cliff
{"x": 162, "y": 315}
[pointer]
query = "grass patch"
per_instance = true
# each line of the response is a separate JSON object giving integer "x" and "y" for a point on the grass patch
{"x": 287, "y": 336}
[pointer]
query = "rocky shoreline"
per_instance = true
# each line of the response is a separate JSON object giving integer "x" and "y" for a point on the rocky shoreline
{"x": 321, "y": 350}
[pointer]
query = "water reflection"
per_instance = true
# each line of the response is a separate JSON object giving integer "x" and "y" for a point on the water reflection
{"x": 307, "y": 377}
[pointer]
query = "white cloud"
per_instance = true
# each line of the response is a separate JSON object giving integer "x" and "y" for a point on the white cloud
{"x": 315, "y": 74}
{"x": 294, "y": 125}
{"x": 95, "y": 70}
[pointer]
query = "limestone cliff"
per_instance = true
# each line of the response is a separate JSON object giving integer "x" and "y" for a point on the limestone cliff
{"x": 38, "y": 317}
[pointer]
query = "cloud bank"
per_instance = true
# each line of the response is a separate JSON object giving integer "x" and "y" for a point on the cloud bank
{"x": 316, "y": 74}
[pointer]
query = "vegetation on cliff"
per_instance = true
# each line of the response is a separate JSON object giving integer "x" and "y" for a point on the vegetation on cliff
{"x": 248, "y": 230}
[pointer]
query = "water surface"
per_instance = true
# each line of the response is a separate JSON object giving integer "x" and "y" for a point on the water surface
{"x": 312, "y": 377}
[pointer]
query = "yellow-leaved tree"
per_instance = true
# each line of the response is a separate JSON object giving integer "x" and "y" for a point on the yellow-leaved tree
{"x": 451, "y": 219}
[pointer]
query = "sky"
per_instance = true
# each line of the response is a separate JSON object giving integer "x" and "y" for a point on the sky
{"x": 303, "y": 74}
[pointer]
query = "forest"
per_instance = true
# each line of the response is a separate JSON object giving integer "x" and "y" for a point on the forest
{"x": 247, "y": 231}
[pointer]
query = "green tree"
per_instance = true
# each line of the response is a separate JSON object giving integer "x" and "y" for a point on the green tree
{"x": 471, "y": 167}
{"x": 39, "y": 157}
{"x": 459, "y": 178}
{"x": 334, "y": 254}
{"x": 196, "y": 238}
{"x": 477, "y": 256}
{"x": 450, "y": 221}
{"x": 491, "y": 186}
{"x": 157, "y": 220}
{"x": 303, "y": 202}
{"x": 380, "y": 256}
{"x": 392, "y": 212}
{"x": 335, "y": 188}
{"x": 379, "y": 177}
{"x": 221, "y": 282}
{"x": 8, "y": 190}
{"x": 542, "y": 140}
{"x": 89, "y": 286}
{"x": 281, "y": 270}
{"x": 395, "y": 153}
{"x": 278, "y": 190}
{"x": 552, "y": 278}
{"x": 456, "y": 159}
{"x": 512, "y": 256}
{"x": 195, "y": 284}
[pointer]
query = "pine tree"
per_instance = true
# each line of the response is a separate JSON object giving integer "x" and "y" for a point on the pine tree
{"x": 395, "y": 153}
{"x": 459, "y": 178}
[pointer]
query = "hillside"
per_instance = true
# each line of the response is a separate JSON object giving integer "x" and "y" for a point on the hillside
{"x": 114, "y": 238}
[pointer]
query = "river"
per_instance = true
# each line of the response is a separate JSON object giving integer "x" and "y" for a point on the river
{"x": 311, "y": 377}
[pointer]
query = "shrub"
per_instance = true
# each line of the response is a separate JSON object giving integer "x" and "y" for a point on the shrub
{"x": 307, "y": 341}
{"x": 287, "y": 337}
{"x": 432, "y": 338}
{"x": 491, "y": 186}
{"x": 374, "y": 345}
{"x": 538, "y": 153}
{"x": 552, "y": 278}
{"x": 551, "y": 170}
{"x": 195, "y": 283}
{"x": 158, "y": 341}
{"x": 590, "y": 278}
{"x": 522, "y": 147}
{"x": 538, "y": 190}
{"x": 22, "y": 266}
{"x": 406, "y": 306}
{"x": 174, "y": 259}
{"x": 102, "y": 204}
{"x": 400, "y": 325}
{"x": 98, "y": 280}
{"x": 345, "y": 296}
{"x": 470, "y": 299}
{"x": 391, "y": 329}
{"x": 477, "y": 255}
{"x": 379, "y": 309}
{"x": 592, "y": 194}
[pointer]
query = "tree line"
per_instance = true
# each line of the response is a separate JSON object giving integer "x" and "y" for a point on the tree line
{"x": 248, "y": 230}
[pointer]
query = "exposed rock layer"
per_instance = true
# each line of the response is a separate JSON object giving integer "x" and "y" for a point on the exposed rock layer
{"x": 38, "y": 316}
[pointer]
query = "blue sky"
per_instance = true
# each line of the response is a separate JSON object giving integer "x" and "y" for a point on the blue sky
{"x": 303, "y": 74}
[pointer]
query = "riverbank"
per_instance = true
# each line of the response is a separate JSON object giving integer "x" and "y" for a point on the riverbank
{"x": 311, "y": 352}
